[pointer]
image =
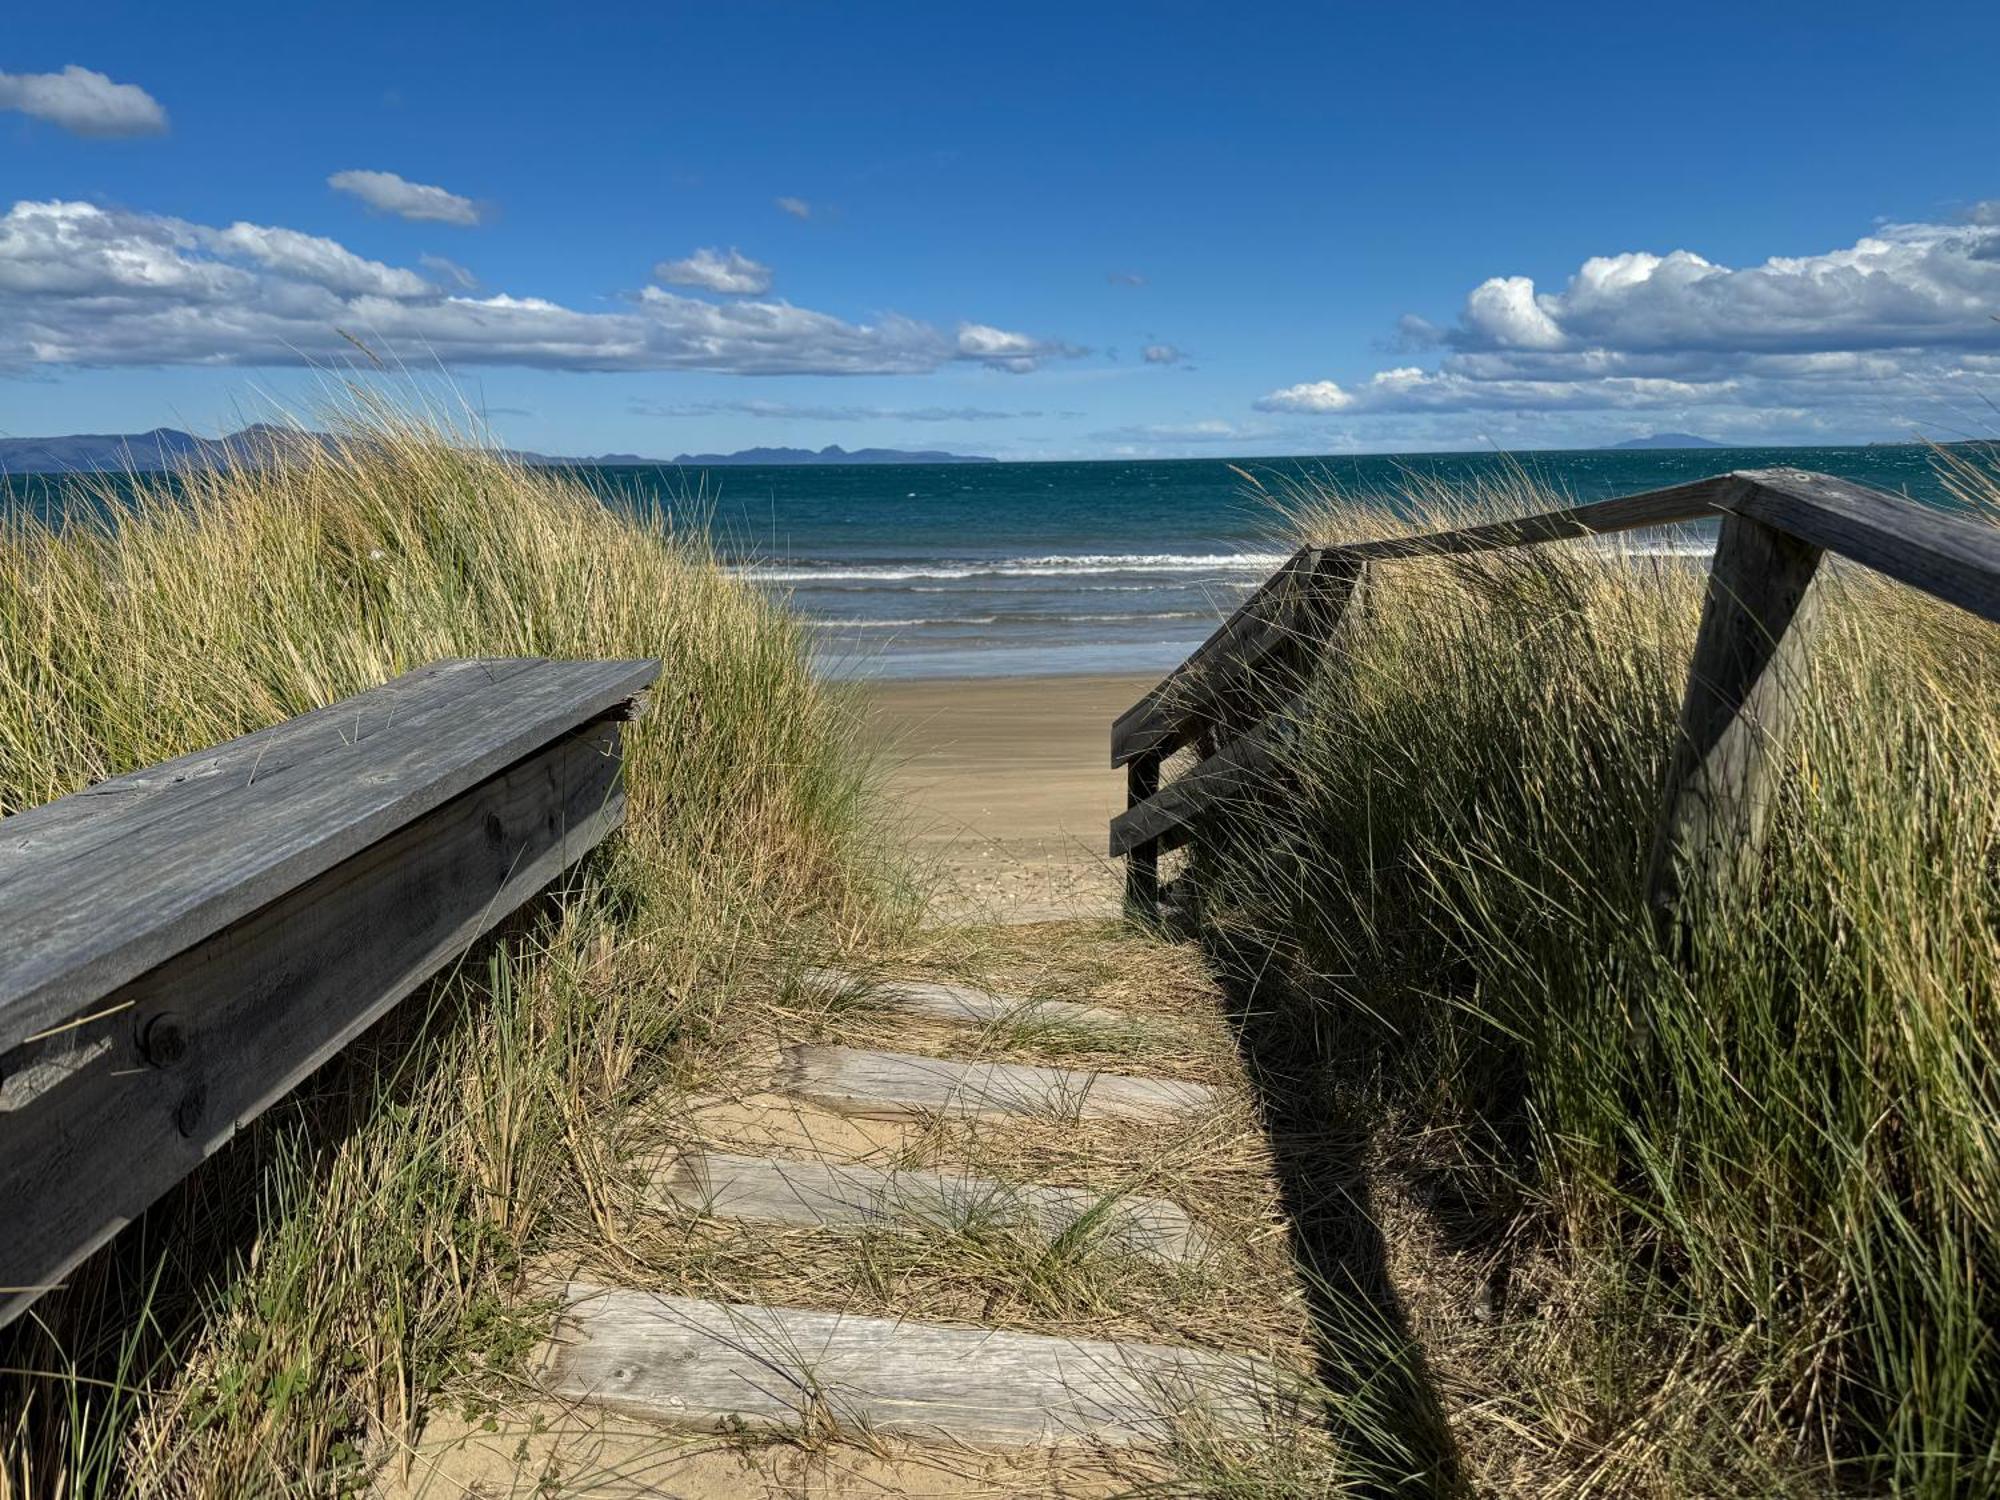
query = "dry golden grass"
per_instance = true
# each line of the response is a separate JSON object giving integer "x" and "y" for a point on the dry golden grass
{"x": 1717, "y": 1218}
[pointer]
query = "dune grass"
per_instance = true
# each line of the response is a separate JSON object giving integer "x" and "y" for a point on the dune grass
{"x": 282, "y": 1322}
{"x": 1723, "y": 1221}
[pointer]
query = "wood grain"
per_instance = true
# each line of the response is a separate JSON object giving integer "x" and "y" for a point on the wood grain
{"x": 940, "y": 1001}
{"x": 1951, "y": 557}
{"x": 1166, "y": 819}
{"x": 1744, "y": 684}
{"x": 99, "y": 887}
{"x": 891, "y": 1085}
{"x": 185, "y": 1054}
{"x": 697, "y": 1364}
{"x": 841, "y": 1195}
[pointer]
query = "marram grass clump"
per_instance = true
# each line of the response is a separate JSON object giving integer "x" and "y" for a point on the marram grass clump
{"x": 1721, "y": 1218}
{"x": 282, "y": 1323}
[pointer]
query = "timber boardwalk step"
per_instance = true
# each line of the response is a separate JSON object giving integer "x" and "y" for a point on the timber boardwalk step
{"x": 686, "y": 1362}
{"x": 838, "y": 1195}
{"x": 937, "y": 1000}
{"x": 892, "y": 1084}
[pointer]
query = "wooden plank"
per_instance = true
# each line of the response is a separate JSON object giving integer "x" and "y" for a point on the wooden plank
{"x": 185, "y": 1054}
{"x": 1679, "y": 503}
{"x": 107, "y": 811}
{"x": 96, "y": 889}
{"x": 1142, "y": 859}
{"x": 889, "y": 1085}
{"x": 1743, "y": 685}
{"x": 697, "y": 1364}
{"x": 840, "y": 1195}
{"x": 1952, "y": 557}
{"x": 940, "y": 1001}
{"x": 1166, "y": 819}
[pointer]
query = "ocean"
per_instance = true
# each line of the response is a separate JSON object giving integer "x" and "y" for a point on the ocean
{"x": 975, "y": 570}
{"x": 1020, "y": 569}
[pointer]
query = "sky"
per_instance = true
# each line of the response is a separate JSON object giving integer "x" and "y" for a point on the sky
{"x": 1032, "y": 231}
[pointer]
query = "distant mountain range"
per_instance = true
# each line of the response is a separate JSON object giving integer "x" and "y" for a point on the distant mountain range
{"x": 162, "y": 448}
{"x": 170, "y": 448}
{"x": 1669, "y": 440}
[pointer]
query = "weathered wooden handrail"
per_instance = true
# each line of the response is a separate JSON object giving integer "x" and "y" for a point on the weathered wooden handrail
{"x": 1776, "y": 525}
{"x": 184, "y": 944}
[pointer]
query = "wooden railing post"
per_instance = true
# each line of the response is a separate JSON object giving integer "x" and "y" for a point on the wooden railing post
{"x": 1142, "y": 864}
{"x": 1230, "y": 699}
{"x": 1742, "y": 687}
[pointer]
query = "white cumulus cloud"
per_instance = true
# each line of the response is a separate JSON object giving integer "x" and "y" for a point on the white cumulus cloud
{"x": 1002, "y": 350}
{"x": 734, "y": 272}
{"x": 387, "y": 193}
{"x": 83, "y": 101}
{"x": 1307, "y": 395}
{"x": 84, "y": 285}
{"x": 1897, "y": 325}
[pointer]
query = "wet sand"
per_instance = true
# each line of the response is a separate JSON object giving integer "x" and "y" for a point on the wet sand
{"x": 1006, "y": 784}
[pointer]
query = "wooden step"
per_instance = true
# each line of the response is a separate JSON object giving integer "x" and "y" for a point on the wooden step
{"x": 842, "y": 1195}
{"x": 888, "y": 1084}
{"x": 692, "y": 1363}
{"x": 940, "y": 1001}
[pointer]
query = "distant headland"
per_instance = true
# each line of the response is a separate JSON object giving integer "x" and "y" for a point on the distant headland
{"x": 170, "y": 448}
{"x": 1669, "y": 440}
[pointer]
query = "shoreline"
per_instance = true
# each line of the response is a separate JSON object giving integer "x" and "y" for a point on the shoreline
{"x": 1005, "y": 786}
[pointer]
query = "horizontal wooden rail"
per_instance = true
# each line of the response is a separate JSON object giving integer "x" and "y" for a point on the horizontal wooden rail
{"x": 1166, "y": 717}
{"x": 186, "y": 943}
{"x": 1776, "y": 524}
{"x": 1165, "y": 820}
{"x": 1172, "y": 713}
{"x": 1950, "y": 557}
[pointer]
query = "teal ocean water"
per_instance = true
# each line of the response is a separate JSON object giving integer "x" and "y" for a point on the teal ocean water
{"x": 952, "y": 570}
{"x": 949, "y": 570}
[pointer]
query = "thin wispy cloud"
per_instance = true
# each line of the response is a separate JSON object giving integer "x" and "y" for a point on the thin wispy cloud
{"x": 1892, "y": 325}
{"x": 83, "y": 102}
{"x": 731, "y": 272}
{"x": 1162, "y": 354}
{"x": 1124, "y": 278}
{"x": 449, "y": 272}
{"x": 1201, "y": 432}
{"x": 1018, "y": 352}
{"x": 83, "y": 285}
{"x": 798, "y": 208}
{"x": 385, "y": 192}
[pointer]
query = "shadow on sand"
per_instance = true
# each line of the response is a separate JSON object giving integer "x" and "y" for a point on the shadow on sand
{"x": 1384, "y": 1408}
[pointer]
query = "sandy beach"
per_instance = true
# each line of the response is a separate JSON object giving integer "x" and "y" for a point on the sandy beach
{"x": 1008, "y": 787}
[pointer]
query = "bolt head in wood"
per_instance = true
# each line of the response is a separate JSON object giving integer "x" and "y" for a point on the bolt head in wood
{"x": 163, "y": 1040}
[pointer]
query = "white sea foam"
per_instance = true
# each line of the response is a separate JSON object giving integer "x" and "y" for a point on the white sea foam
{"x": 1103, "y": 564}
{"x": 1088, "y": 564}
{"x": 863, "y": 622}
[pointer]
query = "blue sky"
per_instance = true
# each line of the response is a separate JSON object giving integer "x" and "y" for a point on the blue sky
{"x": 662, "y": 228}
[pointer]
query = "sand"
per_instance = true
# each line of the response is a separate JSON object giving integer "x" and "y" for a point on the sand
{"x": 1006, "y": 787}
